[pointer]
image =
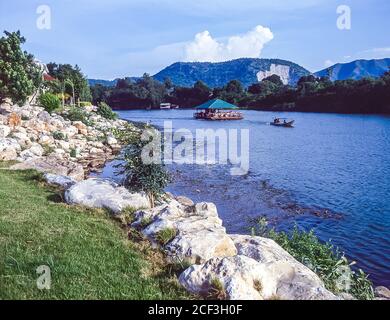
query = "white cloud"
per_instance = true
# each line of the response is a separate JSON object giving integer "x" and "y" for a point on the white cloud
{"x": 328, "y": 63}
{"x": 206, "y": 48}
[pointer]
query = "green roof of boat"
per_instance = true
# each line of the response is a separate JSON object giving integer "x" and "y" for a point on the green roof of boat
{"x": 217, "y": 104}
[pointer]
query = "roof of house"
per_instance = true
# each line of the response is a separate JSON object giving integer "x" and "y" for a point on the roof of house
{"x": 48, "y": 77}
{"x": 217, "y": 104}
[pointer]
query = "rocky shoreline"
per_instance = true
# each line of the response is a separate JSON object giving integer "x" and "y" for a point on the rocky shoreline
{"x": 232, "y": 267}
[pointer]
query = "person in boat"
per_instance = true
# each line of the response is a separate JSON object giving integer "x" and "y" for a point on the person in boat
{"x": 276, "y": 121}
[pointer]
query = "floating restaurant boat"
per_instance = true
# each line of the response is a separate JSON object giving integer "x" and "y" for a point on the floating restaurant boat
{"x": 218, "y": 110}
{"x": 283, "y": 122}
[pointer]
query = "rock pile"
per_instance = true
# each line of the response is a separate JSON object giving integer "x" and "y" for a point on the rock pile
{"x": 50, "y": 143}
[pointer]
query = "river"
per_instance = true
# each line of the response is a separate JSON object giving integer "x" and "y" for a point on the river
{"x": 330, "y": 173}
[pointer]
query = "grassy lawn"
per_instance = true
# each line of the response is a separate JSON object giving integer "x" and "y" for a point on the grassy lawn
{"x": 88, "y": 253}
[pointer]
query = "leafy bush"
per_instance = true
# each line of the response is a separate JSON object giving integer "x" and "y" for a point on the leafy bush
{"x": 323, "y": 259}
{"x": 106, "y": 112}
{"x": 78, "y": 114}
{"x": 49, "y": 102}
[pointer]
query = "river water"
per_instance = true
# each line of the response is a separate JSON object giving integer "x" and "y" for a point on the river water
{"x": 330, "y": 173}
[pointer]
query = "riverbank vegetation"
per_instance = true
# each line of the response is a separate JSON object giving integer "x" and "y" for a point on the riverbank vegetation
{"x": 87, "y": 252}
{"x": 322, "y": 258}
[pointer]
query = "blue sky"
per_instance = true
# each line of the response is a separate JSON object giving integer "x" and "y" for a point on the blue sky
{"x": 117, "y": 38}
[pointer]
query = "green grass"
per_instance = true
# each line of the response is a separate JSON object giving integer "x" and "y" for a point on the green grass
{"x": 164, "y": 236}
{"x": 88, "y": 252}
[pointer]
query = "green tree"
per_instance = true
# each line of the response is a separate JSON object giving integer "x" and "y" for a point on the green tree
{"x": 20, "y": 76}
{"x": 72, "y": 78}
{"x": 275, "y": 79}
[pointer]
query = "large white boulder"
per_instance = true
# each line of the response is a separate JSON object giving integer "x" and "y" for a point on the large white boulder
{"x": 240, "y": 277}
{"x": 294, "y": 280}
{"x": 243, "y": 278}
{"x": 9, "y": 149}
{"x": 201, "y": 245}
{"x": 99, "y": 193}
{"x": 200, "y": 235}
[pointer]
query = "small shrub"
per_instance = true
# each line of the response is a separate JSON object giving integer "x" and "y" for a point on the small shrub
{"x": 127, "y": 216}
{"x": 258, "y": 286}
{"x": 216, "y": 291}
{"x": 49, "y": 102}
{"x": 78, "y": 114}
{"x": 145, "y": 222}
{"x": 58, "y": 135}
{"x": 106, "y": 112}
{"x": 166, "y": 235}
{"x": 84, "y": 104}
{"x": 73, "y": 153}
{"x": 135, "y": 235}
{"x": 47, "y": 149}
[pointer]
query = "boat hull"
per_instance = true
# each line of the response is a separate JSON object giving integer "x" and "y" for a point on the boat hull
{"x": 284, "y": 125}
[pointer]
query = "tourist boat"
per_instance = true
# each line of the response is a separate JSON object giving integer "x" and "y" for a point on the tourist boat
{"x": 168, "y": 106}
{"x": 283, "y": 122}
{"x": 165, "y": 106}
{"x": 218, "y": 110}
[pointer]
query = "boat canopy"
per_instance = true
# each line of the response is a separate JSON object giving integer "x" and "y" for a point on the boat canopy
{"x": 217, "y": 104}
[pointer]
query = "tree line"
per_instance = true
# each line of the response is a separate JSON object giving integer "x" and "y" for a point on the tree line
{"x": 312, "y": 94}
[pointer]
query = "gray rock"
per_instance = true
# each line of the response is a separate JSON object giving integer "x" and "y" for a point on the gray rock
{"x": 4, "y": 131}
{"x": 59, "y": 181}
{"x": 382, "y": 292}
{"x": 44, "y": 116}
{"x": 99, "y": 193}
{"x": 35, "y": 151}
{"x": 53, "y": 164}
{"x": 187, "y": 202}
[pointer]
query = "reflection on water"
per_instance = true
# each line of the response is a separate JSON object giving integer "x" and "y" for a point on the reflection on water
{"x": 330, "y": 173}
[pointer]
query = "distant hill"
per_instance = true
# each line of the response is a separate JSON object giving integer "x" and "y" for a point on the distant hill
{"x": 356, "y": 69}
{"x": 108, "y": 83}
{"x": 246, "y": 70}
